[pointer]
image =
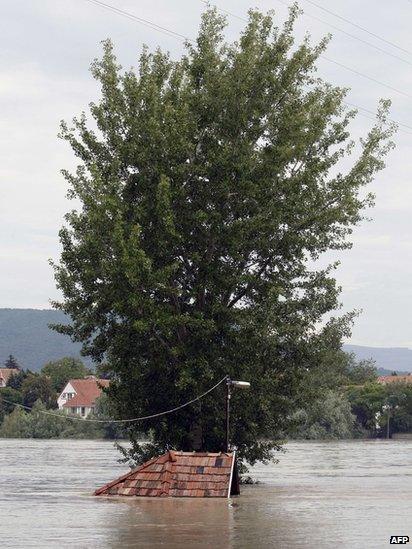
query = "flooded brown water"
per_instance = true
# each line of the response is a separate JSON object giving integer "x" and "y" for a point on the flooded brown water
{"x": 320, "y": 495}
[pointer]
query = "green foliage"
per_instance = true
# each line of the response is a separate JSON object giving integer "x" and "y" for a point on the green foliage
{"x": 16, "y": 381}
{"x": 361, "y": 372}
{"x": 37, "y": 424}
{"x": 16, "y": 425}
{"x": 45, "y": 426}
{"x": 328, "y": 417}
{"x": 60, "y": 371}
{"x": 37, "y": 387}
{"x": 399, "y": 400}
{"x": 11, "y": 362}
{"x": 103, "y": 371}
{"x": 367, "y": 401}
{"x": 82, "y": 429}
{"x": 335, "y": 369}
{"x": 373, "y": 402}
{"x": 209, "y": 184}
{"x": 324, "y": 410}
{"x": 7, "y": 395}
{"x": 21, "y": 424}
{"x": 104, "y": 410}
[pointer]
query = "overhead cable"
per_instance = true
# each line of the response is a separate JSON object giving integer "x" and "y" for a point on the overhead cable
{"x": 363, "y": 75}
{"x": 132, "y": 420}
{"x": 370, "y": 44}
{"x": 145, "y": 22}
{"x": 358, "y": 26}
{"x": 182, "y": 37}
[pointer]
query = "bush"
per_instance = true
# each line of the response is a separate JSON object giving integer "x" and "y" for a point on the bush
{"x": 328, "y": 417}
{"x": 8, "y": 396}
{"x": 16, "y": 425}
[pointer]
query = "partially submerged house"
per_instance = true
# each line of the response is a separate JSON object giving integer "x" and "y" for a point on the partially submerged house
{"x": 179, "y": 474}
{"x": 79, "y": 395}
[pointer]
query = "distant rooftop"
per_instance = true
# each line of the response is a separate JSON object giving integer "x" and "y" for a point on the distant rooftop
{"x": 384, "y": 380}
{"x": 87, "y": 391}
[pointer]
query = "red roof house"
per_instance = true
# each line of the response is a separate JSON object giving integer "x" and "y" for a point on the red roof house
{"x": 5, "y": 375}
{"x": 179, "y": 474}
{"x": 79, "y": 395}
{"x": 384, "y": 380}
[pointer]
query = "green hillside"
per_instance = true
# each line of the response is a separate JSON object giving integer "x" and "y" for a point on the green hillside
{"x": 25, "y": 334}
{"x": 387, "y": 359}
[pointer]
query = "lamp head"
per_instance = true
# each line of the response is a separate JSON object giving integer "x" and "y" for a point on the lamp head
{"x": 240, "y": 384}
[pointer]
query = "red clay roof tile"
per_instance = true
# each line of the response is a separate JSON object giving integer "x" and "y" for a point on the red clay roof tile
{"x": 87, "y": 391}
{"x": 177, "y": 474}
{"x": 407, "y": 378}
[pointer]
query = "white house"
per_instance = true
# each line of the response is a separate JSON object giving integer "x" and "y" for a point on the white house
{"x": 79, "y": 395}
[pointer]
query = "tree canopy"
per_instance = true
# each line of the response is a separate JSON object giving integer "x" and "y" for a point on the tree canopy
{"x": 12, "y": 363}
{"x": 37, "y": 387}
{"x": 208, "y": 186}
{"x": 60, "y": 371}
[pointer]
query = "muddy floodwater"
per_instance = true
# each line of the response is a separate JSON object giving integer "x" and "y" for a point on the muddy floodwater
{"x": 320, "y": 495}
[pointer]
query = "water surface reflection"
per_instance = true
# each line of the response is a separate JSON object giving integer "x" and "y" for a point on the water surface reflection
{"x": 320, "y": 495}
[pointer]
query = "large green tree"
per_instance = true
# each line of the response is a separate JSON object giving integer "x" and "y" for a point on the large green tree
{"x": 37, "y": 387}
{"x": 60, "y": 371}
{"x": 8, "y": 397}
{"x": 12, "y": 363}
{"x": 207, "y": 188}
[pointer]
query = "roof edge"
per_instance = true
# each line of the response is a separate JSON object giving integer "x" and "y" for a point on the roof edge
{"x": 125, "y": 476}
{"x": 231, "y": 473}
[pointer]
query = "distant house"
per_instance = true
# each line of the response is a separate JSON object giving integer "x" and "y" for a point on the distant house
{"x": 79, "y": 395}
{"x": 5, "y": 375}
{"x": 384, "y": 380}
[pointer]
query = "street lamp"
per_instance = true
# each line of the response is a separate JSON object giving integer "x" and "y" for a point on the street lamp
{"x": 229, "y": 384}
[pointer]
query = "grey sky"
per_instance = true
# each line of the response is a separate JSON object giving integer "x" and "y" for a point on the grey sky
{"x": 46, "y": 49}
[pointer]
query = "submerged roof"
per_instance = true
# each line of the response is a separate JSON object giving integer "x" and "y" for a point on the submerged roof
{"x": 87, "y": 391}
{"x": 179, "y": 474}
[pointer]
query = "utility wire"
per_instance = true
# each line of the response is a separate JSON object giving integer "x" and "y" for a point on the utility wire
{"x": 181, "y": 36}
{"x": 145, "y": 22}
{"x": 135, "y": 419}
{"x": 370, "y": 44}
{"x": 374, "y": 116}
{"x": 359, "y": 73}
{"x": 358, "y": 26}
{"x": 207, "y": 2}
{"x": 170, "y": 32}
{"x": 285, "y": 3}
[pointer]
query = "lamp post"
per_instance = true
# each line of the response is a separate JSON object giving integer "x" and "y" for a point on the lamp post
{"x": 229, "y": 384}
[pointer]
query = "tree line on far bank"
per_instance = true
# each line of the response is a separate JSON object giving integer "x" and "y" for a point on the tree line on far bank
{"x": 339, "y": 399}
{"x": 39, "y": 392}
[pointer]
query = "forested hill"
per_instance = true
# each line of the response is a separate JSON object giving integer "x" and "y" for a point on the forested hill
{"x": 24, "y": 333}
{"x": 387, "y": 359}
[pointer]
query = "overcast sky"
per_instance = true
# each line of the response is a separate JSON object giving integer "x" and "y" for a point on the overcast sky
{"x": 46, "y": 50}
